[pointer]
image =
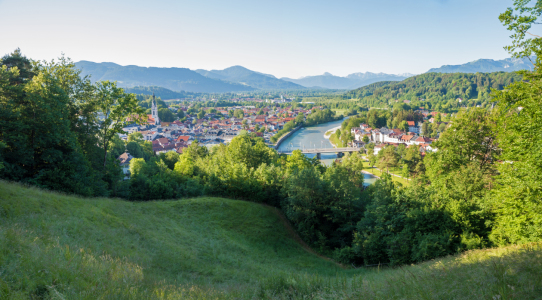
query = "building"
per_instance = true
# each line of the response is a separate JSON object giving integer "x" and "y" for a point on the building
{"x": 125, "y": 159}
{"x": 413, "y": 127}
{"x": 154, "y": 112}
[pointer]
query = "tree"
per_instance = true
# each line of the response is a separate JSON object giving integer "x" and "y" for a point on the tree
{"x": 185, "y": 165}
{"x": 166, "y": 115}
{"x": 520, "y": 24}
{"x": 403, "y": 126}
{"x": 406, "y": 171}
{"x": 170, "y": 158}
{"x": 39, "y": 144}
{"x": 426, "y": 129}
{"x": 117, "y": 146}
{"x": 299, "y": 118}
{"x": 389, "y": 158}
{"x": 137, "y": 167}
{"x": 116, "y": 107}
{"x": 461, "y": 171}
{"x": 412, "y": 156}
{"x": 519, "y": 186}
{"x": 365, "y": 139}
{"x": 201, "y": 114}
{"x": 180, "y": 113}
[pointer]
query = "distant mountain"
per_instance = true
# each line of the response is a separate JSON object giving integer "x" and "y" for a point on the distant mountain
{"x": 161, "y": 92}
{"x": 251, "y": 78}
{"x": 487, "y": 66}
{"x": 175, "y": 79}
{"x": 352, "y": 81}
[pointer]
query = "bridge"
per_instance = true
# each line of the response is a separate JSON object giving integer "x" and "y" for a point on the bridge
{"x": 339, "y": 151}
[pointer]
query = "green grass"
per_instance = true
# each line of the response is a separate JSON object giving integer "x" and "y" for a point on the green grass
{"x": 339, "y": 111}
{"x": 336, "y": 141}
{"x": 379, "y": 173}
{"x": 56, "y": 246}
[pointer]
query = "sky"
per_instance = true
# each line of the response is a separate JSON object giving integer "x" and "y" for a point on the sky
{"x": 292, "y": 38}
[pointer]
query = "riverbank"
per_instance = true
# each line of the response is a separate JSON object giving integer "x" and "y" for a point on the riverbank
{"x": 284, "y": 137}
{"x": 332, "y": 131}
{"x": 310, "y": 137}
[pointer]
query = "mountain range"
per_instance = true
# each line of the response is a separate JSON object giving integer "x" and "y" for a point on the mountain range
{"x": 175, "y": 79}
{"x": 487, "y": 66}
{"x": 251, "y": 78}
{"x": 238, "y": 78}
{"x": 352, "y": 81}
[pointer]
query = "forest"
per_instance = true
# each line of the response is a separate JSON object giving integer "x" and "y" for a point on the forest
{"x": 435, "y": 91}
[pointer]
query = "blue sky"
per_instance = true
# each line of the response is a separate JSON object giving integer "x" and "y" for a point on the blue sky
{"x": 285, "y": 38}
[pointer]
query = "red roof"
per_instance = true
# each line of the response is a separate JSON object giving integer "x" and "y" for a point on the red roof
{"x": 183, "y": 138}
{"x": 406, "y": 137}
{"x": 411, "y": 123}
{"x": 163, "y": 141}
{"x": 423, "y": 139}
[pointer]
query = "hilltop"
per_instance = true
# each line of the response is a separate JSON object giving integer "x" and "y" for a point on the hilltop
{"x": 68, "y": 247}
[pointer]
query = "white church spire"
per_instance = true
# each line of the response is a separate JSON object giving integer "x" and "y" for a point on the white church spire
{"x": 154, "y": 111}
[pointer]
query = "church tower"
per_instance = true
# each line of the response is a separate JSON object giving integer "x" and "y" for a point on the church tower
{"x": 154, "y": 111}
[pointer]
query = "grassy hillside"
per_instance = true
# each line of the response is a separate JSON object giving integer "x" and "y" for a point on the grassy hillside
{"x": 63, "y": 247}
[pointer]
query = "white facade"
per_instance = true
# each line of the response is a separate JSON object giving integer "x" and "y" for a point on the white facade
{"x": 154, "y": 111}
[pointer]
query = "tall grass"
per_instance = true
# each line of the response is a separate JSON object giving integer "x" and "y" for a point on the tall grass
{"x": 56, "y": 246}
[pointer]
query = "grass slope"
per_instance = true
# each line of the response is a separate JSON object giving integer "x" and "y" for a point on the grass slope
{"x": 64, "y": 247}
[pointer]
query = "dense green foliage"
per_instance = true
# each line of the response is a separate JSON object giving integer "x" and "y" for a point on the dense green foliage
{"x": 50, "y": 126}
{"x": 320, "y": 116}
{"x": 436, "y": 91}
{"x": 518, "y": 193}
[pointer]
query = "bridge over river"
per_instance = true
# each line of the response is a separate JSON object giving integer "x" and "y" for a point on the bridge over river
{"x": 340, "y": 151}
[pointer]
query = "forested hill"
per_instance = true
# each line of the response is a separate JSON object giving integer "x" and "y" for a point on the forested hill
{"x": 176, "y": 79}
{"x": 436, "y": 91}
{"x": 159, "y": 92}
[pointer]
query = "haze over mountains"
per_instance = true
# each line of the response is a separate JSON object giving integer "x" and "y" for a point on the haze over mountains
{"x": 350, "y": 82}
{"x": 238, "y": 78}
{"x": 175, "y": 79}
{"x": 487, "y": 66}
{"x": 250, "y": 78}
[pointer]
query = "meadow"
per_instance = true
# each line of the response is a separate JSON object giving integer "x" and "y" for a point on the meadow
{"x": 57, "y": 246}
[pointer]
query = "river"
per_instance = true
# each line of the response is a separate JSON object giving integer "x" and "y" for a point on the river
{"x": 313, "y": 137}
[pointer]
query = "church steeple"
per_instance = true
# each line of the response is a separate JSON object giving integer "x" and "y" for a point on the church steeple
{"x": 154, "y": 111}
